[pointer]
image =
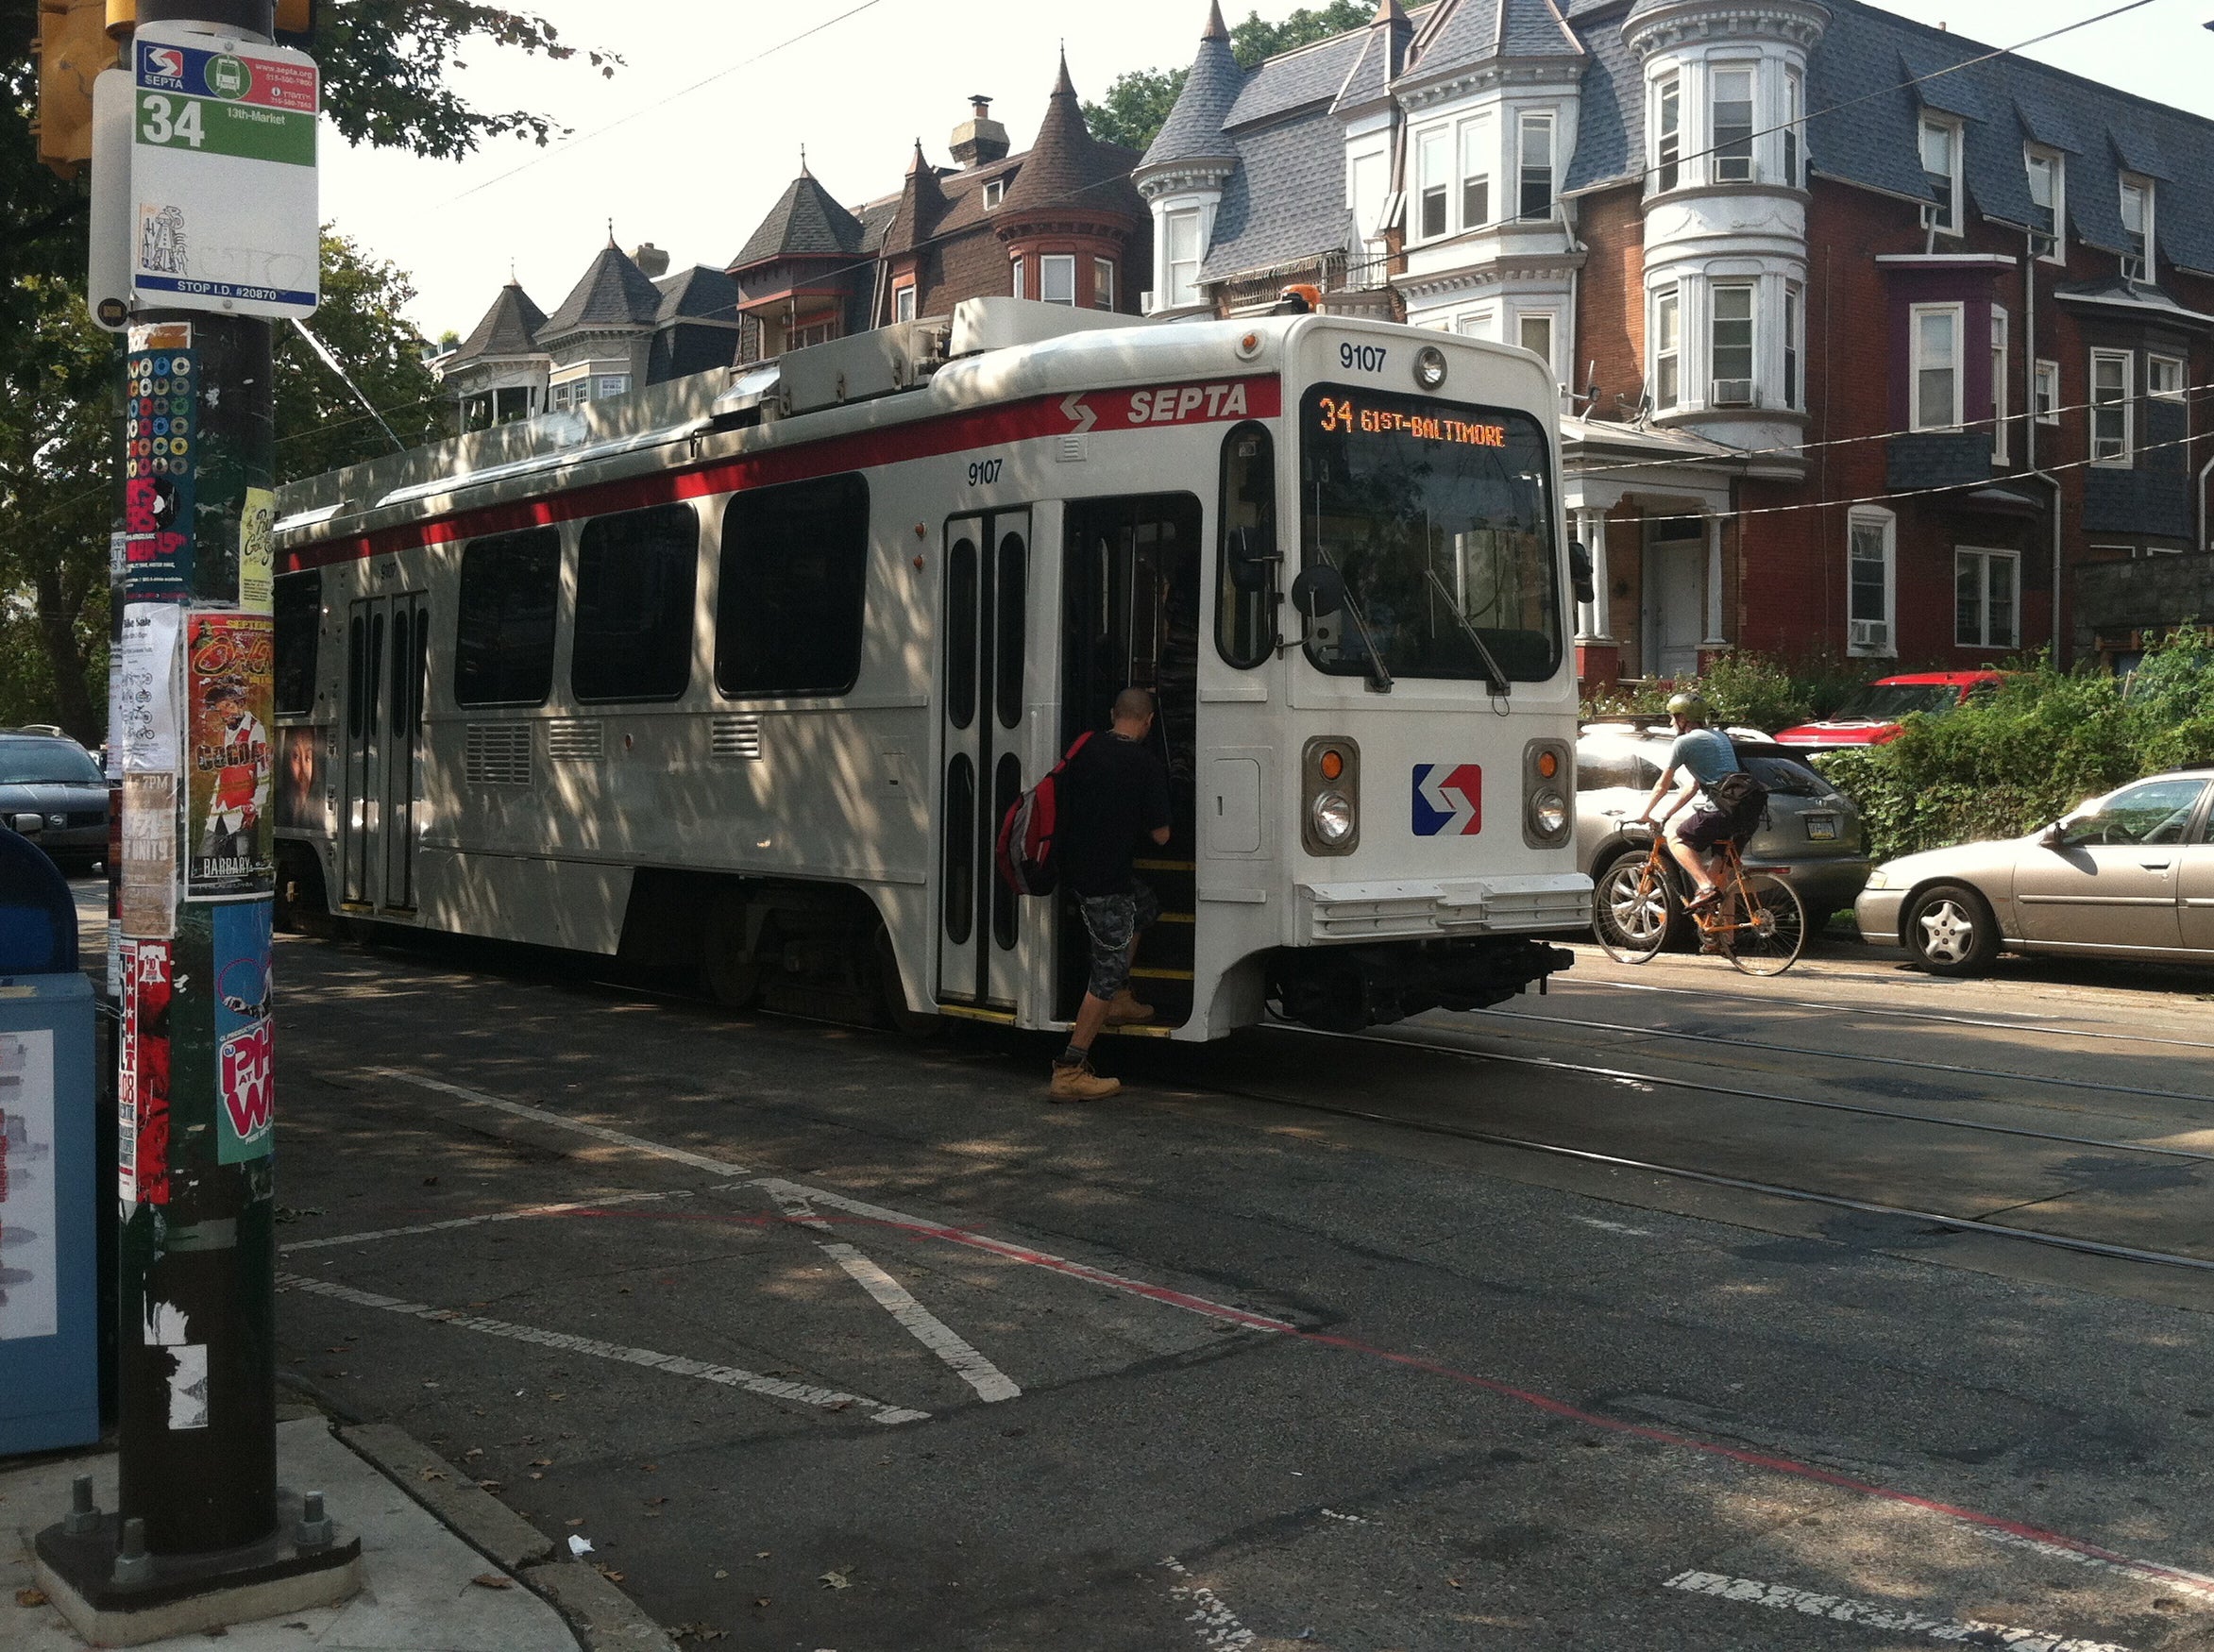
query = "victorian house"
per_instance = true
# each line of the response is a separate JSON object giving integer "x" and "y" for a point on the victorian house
{"x": 1866, "y": 346}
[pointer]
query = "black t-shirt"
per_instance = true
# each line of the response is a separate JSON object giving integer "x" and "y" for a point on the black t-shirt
{"x": 1113, "y": 795}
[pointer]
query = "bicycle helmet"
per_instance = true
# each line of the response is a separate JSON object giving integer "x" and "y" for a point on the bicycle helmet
{"x": 1688, "y": 705}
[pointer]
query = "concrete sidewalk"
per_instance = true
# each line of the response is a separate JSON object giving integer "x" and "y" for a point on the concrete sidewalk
{"x": 424, "y": 1587}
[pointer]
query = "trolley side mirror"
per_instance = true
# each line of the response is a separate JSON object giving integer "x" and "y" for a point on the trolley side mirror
{"x": 1580, "y": 570}
{"x": 1253, "y": 557}
{"x": 1319, "y": 591}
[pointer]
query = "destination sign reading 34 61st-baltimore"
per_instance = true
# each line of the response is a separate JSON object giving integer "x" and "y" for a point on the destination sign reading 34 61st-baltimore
{"x": 223, "y": 174}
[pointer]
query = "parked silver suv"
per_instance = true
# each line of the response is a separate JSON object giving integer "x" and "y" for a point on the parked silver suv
{"x": 1810, "y": 836}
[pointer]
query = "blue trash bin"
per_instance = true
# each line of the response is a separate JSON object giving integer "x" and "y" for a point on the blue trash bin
{"x": 51, "y": 1195}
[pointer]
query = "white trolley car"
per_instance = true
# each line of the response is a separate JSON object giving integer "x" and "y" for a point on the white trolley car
{"x": 743, "y": 670}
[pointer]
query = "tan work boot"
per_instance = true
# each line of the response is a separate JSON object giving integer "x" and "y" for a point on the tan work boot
{"x": 1125, "y": 1011}
{"x": 1080, "y": 1083}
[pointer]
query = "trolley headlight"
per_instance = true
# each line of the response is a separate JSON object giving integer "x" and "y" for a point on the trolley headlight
{"x": 1429, "y": 367}
{"x": 1332, "y": 816}
{"x": 1548, "y": 793}
{"x": 1549, "y": 812}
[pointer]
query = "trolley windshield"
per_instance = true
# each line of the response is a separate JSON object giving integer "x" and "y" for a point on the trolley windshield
{"x": 1439, "y": 518}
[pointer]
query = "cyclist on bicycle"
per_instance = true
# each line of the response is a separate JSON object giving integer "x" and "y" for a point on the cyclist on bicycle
{"x": 1733, "y": 800}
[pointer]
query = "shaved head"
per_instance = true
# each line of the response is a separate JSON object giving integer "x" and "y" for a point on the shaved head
{"x": 1133, "y": 706}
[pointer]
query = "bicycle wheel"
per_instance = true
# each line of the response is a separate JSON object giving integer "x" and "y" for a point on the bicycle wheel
{"x": 1770, "y": 930}
{"x": 1632, "y": 909}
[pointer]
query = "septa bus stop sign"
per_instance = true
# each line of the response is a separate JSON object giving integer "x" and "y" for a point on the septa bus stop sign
{"x": 223, "y": 189}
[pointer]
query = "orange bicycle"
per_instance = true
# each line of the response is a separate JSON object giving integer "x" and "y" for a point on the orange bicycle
{"x": 1758, "y": 924}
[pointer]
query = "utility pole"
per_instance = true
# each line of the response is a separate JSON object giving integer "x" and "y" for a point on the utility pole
{"x": 220, "y": 222}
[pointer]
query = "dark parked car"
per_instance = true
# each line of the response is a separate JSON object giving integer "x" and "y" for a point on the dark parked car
{"x": 54, "y": 794}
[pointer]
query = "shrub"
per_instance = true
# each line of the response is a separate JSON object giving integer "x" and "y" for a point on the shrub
{"x": 1749, "y": 689}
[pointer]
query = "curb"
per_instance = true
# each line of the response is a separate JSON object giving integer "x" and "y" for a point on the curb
{"x": 604, "y": 1618}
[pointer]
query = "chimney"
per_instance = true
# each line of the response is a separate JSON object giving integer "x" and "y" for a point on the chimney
{"x": 979, "y": 141}
{"x": 650, "y": 259}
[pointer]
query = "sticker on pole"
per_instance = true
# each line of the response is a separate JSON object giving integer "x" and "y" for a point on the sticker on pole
{"x": 229, "y": 833}
{"x": 223, "y": 184}
{"x": 246, "y": 1078}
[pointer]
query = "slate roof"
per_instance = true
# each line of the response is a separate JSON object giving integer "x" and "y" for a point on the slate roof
{"x": 1194, "y": 127}
{"x": 1294, "y": 79}
{"x": 615, "y": 291}
{"x": 1472, "y": 31}
{"x": 1287, "y": 199}
{"x": 1609, "y": 110}
{"x": 1068, "y": 165}
{"x": 510, "y": 328}
{"x": 804, "y": 223}
{"x": 698, "y": 293}
{"x": 1380, "y": 60}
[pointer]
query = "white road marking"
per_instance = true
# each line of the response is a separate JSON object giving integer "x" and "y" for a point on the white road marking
{"x": 1622, "y": 1227}
{"x": 2197, "y": 1585}
{"x": 721, "y": 1167}
{"x": 727, "y": 1375}
{"x": 1870, "y": 1614}
{"x": 525, "y": 1214}
{"x": 1215, "y": 1624}
{"x": 991, "y": 1383}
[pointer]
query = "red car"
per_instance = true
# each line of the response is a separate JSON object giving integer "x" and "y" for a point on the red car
{"x": 1871, "y": 715}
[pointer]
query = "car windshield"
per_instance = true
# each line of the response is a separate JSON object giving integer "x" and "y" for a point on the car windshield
{"x": 46, "y": 763}
{"x": 1886, "y": 703}
{"x": 1440, "y": 519}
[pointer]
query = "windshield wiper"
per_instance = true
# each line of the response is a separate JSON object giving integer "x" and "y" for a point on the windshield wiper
{"x": 1494, "y": 678}
{"x": 1380, "y": 675}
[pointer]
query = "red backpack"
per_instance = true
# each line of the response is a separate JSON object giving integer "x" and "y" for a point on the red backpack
{"x": 1029, "y": 835}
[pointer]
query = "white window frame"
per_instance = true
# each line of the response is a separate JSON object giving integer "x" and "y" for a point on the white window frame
{"x": 903, "y": 301}
{"x": 1477, "y": 157}
{"x": 1667, "y": 348}
{"x": 1887, "y": 524}
{"x": 2170, "y": 368}
{"x": 995, "y": 191}
{"x": 2055, "y": 166}
{"x": 1015, "y": 263}
{"x": 1720, "y": 167}
{"x": 1948, "y": 219}
{"x": 1103, "y": 283}
{"x": 1794, "y": 345}
{"x": 1063, "y": 264}
{"x": 1794, "y": 128}
{"x": 1551, "y": 322}
{"x": 1183, "y": 289}
{"x": 1751, "y": 378}
{"x": 2123, "y": 455}
{"x": 2133, "y": 183}
{"x": 1433, "y": 183}
{"x": 2045, "y": 397}
{"x": 1478, "y": 324}
{"x": 1526, "y": 122}
{"x": 1667, "y": 139}
{"x": 1987, "y": 560}
{"x": 1999, "y": 367}
{"x": 1916, "y": 366}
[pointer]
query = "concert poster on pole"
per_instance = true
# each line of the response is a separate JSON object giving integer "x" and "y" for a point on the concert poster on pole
{"x": 230, "y": 838}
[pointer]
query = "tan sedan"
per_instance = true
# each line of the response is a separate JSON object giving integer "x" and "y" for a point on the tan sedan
{"x": 2128, "y": 875}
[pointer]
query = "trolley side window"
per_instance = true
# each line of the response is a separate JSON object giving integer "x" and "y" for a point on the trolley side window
{"x": 1245, "y": 605}
{"x": 299, "y": 621}
{"x": 503, "y": 632}
{"x": 795, "y": 563}
{"x": 636, "y": 574}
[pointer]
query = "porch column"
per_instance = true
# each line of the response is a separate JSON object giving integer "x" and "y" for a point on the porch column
{"x": 1715, "y": 638}
{"x": 1595, "y": 541}
{"x": 1588, "y": 624}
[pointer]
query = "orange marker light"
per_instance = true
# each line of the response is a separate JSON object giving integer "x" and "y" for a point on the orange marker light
{"x": 1332, "y": 764}
{"x": 1548, "y": 765}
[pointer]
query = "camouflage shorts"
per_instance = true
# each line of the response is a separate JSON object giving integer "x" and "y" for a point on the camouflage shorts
{"x": 1113, "y": 922}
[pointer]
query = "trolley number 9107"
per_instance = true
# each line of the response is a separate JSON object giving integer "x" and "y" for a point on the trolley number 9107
{"x": 1362, "y": 357}
{"x": 984, "y": 472}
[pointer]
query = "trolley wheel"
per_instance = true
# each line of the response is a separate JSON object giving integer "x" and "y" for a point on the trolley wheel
{"x": 913, "y": 1022}
{"x": 1951, "y": 931}
{"x": 1634, "y": 904}
{"x": 729, "y": 969}
{"x": 1769, "y": 931}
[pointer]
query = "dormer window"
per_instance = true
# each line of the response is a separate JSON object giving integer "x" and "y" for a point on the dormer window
{"x": 995, "y": 191}
{"x": 2136, "y": 227}
{"x": 1668, "y": 134}
{"x": 903, "y": 303}
{"x": 1941, "y": 145}
{"x": 2048, "y": 182}
{"x": 1536, "y": 158}
{"x": 1732, "y": 122}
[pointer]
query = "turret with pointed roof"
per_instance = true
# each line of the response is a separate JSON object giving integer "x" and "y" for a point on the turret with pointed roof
{"x": 804, "y": 223}
{"x": 1193, "y": 130}
{"x": 1067, "y": 169}
{"x": 614, "y": 293}
{"x": 510, "y": 328}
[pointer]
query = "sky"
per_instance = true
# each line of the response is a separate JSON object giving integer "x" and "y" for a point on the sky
{"x": 694, "y": 167}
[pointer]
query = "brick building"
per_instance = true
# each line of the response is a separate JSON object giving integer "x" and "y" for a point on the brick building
{"x": 1866, "y": 348}
{"x": 1058, "y": 222}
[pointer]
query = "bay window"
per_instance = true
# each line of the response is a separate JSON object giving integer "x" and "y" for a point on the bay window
{"x": 1667, "y": 133}
{"x": 1016, "y": 264}
{"x": 2110, "y": 406}
{"x": 1103, "y": 283}
{"x": 1667, "y": 348}
{"x": 1941, "y": 147}
{"x": 1794, "y": 113}
{"x": 1730, "y": 91}
{"x": 1535, "y": 333}
{"x": 1870, "y": 587}
{"x": 1056, "y": 279}
{"x": 1935, "y": 342}
{"x": 1433, "y": 157}
{"x": 1793, "y": 308}
{"x": 1730, "y": 358}
{"x": 1476, "y": 172}
{"x": 1534, "y": 152}
{"x": 1987, "y": 598}
{"x": 2164, "y": 377}
{"x": 1183, "y": 260}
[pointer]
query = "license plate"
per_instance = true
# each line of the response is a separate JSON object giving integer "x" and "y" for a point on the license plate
{"x": 1821, "y": 828}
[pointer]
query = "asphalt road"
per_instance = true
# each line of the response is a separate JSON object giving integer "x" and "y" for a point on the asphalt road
{"x": 1439, "y": 1340}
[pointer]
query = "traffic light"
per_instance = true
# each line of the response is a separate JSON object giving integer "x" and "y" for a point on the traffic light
{"x": 72, "y": 49}
{"x": 296, "y": 24}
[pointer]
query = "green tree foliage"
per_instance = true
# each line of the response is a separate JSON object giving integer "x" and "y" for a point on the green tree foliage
{"x": 385, "y": 67}
{"x": 1137, "y": 105}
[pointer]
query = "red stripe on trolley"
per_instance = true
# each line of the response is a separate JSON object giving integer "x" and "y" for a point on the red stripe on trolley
{"x": 1096, "y": 411}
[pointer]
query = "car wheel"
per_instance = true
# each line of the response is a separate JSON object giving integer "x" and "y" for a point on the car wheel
{"x": 1951, "y": 931}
